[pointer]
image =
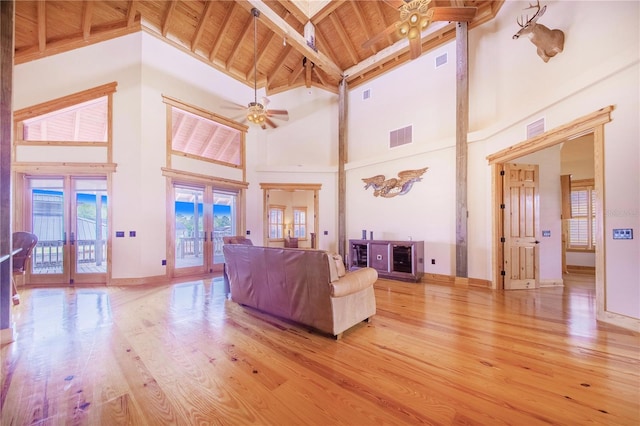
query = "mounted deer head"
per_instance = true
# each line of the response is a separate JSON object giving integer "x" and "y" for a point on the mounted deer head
{"x": 549, "y": 42}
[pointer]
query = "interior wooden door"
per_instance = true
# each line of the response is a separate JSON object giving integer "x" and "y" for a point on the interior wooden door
{"x": 521, "y": 225}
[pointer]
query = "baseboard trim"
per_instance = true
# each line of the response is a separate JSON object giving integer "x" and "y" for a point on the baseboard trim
{"x": 455, "y": 281}
{"x": 158, "y": 279}
{"x": 558, "y": 282}
{"x": 579, "y": 269}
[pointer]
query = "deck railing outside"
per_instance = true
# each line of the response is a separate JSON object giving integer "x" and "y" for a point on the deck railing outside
{"x": 48, "y": 255}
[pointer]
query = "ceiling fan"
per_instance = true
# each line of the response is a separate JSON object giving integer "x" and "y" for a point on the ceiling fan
{"x": 415, "y": 16}
{"x": 257, "y": 113}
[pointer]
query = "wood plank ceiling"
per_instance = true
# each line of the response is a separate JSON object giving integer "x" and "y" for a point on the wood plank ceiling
{"x": 220, "y": 33}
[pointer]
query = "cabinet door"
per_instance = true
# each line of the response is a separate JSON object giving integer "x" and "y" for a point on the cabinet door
{"x": 379, "y": 257}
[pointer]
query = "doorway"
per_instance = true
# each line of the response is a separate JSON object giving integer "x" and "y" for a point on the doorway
{"x": 291, "y": 214}
{"x": 202, "y": 215}
{"x": 591, "y": 123}
{"x": 69, "y": 215}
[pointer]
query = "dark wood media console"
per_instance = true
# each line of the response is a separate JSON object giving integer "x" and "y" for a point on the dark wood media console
{"x": 398, "y": 260}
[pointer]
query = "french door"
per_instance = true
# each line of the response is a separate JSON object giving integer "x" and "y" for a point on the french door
{"x": 202, "y": 216}
{"x": 69, "y": 216}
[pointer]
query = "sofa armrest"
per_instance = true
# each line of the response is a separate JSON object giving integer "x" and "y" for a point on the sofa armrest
{"x": 353, "y": 282}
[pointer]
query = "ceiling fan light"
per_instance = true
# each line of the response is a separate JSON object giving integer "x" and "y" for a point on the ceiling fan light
{"x": 404, "y": 28}
{"x": 414, "y": 32}
{"x": 414, "y": 18}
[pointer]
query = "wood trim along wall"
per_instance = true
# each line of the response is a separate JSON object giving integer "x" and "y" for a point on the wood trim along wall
{"x": 454, "y": 281}
{"x": 64, "y": 102}
{"x": 552, "y": 137}
{"x": 195, "y": 177}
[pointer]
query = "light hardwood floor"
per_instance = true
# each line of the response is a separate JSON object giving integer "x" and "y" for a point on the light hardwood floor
{"x": 183, "y": 354}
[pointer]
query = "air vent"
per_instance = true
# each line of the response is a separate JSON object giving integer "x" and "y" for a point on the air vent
{"x": 400, "y": 136}
{"x": 536, "y": 128}
{"x": 366, "y": 94}
{"x": 441, "y": 60}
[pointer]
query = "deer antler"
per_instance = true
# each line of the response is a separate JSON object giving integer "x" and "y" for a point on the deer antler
{"x": 535, "y": 17}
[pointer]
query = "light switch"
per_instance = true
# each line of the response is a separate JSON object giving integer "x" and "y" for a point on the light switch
{"x": 623, "y": 234}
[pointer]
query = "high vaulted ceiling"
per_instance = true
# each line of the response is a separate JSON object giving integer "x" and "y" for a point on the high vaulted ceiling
{"x": 221, "y": 33}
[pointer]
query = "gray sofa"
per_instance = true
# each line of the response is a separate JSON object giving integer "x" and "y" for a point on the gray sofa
{"x": 310, "y": 287}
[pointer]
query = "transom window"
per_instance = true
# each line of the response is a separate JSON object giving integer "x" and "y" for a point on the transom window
{"x": 203, "y": 135}
{"x": 84, "y": 122}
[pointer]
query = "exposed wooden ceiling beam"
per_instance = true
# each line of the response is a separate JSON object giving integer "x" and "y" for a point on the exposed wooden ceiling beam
{"x": 321, "y": 44}
{"x": 201, "y": 24}
{"x": 276, "y": 24}
{"x": 168, "y": 17}
{"x": 131, "y": 12}
{"x": 308, "y": 66}
{"x": 326, "y": 11}
{"x": 223, "y": 31}
{"x": 318, "y": 75}
{"x": 277, "y": 67}
{"x": 368, "y": 33}
{"x": 42, "y": 26}
{"x": 342, "y": 34}
{"x": 391, "y": 51}
{"x": 382, "y": 15}
{"x": 296, "y": 73}
{"x": 248, "y": 29}
{"x": 295, "y": 11}
{"x": 87, "y": 15}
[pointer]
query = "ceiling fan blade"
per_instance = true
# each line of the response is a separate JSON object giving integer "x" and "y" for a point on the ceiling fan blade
{"x": 376, "y": 38}
{"x": 458, "y": 14}
{"x": 232, "y": 106}
{"x": 415, "y": 46}
{"x": 270, "y": 123}
{"x": 280, "y": 114}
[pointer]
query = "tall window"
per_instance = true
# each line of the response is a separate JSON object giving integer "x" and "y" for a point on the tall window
{"x": 582, "y": 225}
{"x": 276, "y": 222}
{"x": 300, "y": 222}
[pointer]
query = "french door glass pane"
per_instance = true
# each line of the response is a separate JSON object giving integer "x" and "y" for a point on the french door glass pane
{"x": 91, "y": 226}
{"x": 189, "y": 227}
{"x": 224, "y": 221}
{"x": 47, "y": 222}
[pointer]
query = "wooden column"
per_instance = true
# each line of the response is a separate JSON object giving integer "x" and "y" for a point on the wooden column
{"x": 342, "y": 159}
{"x": 462, "y": 126}
{"x": 6, "y": 126}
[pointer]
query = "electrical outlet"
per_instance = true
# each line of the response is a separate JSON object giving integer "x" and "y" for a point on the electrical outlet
{"x": 433, "y": 261}
{"x": 164, "y": 262}
{"x": 132, "y": 233}
{"x": 248, "y": 232}
{"x": 326, "y": 232}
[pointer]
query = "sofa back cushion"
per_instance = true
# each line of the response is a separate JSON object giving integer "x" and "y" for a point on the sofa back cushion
{"x": 290, "y": 283}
